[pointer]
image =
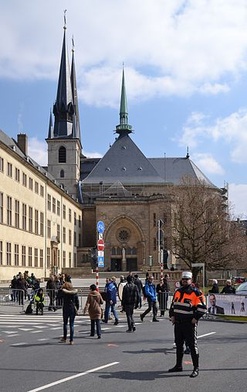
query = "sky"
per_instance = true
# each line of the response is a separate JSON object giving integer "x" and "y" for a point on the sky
{"x": 185, "y": 68}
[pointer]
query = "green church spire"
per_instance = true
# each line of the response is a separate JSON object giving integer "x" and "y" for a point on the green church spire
{"x": 124, "y": 126}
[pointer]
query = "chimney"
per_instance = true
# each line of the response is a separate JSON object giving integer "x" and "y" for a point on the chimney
{"x": 22, "y": 142}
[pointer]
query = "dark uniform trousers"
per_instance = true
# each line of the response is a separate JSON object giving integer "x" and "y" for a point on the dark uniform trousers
{"x": 186, "y": 331}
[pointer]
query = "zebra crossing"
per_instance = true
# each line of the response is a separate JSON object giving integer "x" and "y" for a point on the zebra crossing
{"x": 14, "y": 326}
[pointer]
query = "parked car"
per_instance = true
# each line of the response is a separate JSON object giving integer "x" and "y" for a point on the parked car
{"x": 238, "y": 279}
{"x": 242, "y": 289}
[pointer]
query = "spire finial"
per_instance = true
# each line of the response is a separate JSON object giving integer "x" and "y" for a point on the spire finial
{"x": 124, "y": 126}
{"x": 64, "y": 19}
{"x": 188, "y": 153}
{"x": 73, "y": 44}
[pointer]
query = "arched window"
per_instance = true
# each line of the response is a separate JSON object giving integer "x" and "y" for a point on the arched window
{"x": 62, "y": 173}
{"x": 62, "y": 155}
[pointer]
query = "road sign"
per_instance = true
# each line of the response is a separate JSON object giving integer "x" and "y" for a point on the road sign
{"x": 101, "y": 259}
{"x": 100, "y": 227}
{"x": 100, "y": 244}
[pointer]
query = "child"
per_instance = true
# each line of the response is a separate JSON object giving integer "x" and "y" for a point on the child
{"x": 39, "y": 299}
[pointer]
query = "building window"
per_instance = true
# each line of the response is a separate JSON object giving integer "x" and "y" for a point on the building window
{"x": 41, "y": 191}
{"x": 36, "y": 187}
{"x": 48, "y": 257}
{"x": 75, "y": 218}
{"x": 154, "y": 220}
{"x": 54, "y": 205}
{"x": 48, "y": 228}
{"x": 58, "y": 233}
{"x": 1, "y": 165}
{"x": 70, "y": 237}
{"x": 36, "y": 257}
{"x": 62, "y": 173}
{"x": 58, "y": 208}
{"x": 17, "y": 174}
{"x": 1, "y": 252}
{"x": 24, "y": 216}
{"x": 49, "y": 203}
{"x": 16, "y": 254}
{"x": 24, "y": 179}
{"x": 62, "y": 155}
{"x": 64, "y": 211}
{"x": 30, "y": 219}
{"x": 42, "y": 224}
{"x": 64, "y": 235}
{"x": 70, "y": 260}
{"x": 9, "y": 169}
{"x": 23, "y": 256}
{"x": 64, "y": 259}
{"x": 17, "y": 214}
{"x": 8, "y": 253}
{"x": 9, "y": 211}
{"x": 1, "y": 207}
{"x": 41, "y": 258}
{"x": 30, "y": 183}
{"x": 70, "y": 215}
{"x": 36, "y": 222}
{"x": 30, "y": 256}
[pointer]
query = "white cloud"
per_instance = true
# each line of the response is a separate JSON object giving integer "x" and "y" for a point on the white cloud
{"x": 238, "y": 199}
{"x": 208, "y": 164}
{"x": 187, "y": 46}
{"x": 37, "y": 150}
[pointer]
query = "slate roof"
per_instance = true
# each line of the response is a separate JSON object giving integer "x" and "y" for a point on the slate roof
{"x": 125, "y": 163}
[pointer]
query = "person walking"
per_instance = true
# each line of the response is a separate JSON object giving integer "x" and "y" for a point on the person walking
{"x": 162, "y": 289}
{"x": 138, "y": 283}
{"x": 93, "y": 307}
{"x": 215, "y": 287}
{"x": 150, "y": 294}
{"x": 70, "y": 301}
{"x": 111, "y": 300}
{"x": 187, "y": 307}
{"x": 130, "y": 301}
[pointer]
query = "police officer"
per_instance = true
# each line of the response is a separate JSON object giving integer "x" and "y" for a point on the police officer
{"x": 188, "y": 305}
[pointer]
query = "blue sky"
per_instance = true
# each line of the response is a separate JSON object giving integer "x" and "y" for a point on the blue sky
{"x": 185, "y": 72}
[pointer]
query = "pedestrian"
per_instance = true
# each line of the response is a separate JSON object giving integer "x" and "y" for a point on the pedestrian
{"x": 111, "y": 300}
{"x": 93, "y": 307}
{"x": 70, "y": 301}
{"x": 150, "y": 294}
{"x": 130, "y": 301}
{"x": 39, "y": 300}
{"x": 162, "y": 290}
{"x": 228, "y": 288}
{"x": 51, "y": 291}
{"x": 187, "y": 307}
{"x": 215, "y": 287}
{"x": 138, "y": 283}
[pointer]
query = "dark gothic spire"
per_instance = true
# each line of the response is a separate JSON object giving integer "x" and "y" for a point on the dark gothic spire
{"x": 123, "y": 127}
{"x": 50, "y": 129}
{"x": 64, "y": 108}
{"x": 76, "y": 130}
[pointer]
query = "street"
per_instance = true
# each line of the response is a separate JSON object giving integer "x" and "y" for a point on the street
{"x": 32, "y": 359}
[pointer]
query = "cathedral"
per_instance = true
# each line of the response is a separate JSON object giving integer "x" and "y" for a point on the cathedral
{"x": 51, "y": 213}
{"x": 124, "y": 189}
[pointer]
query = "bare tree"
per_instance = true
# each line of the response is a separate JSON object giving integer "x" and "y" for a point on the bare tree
{"x": 202, "y": 229}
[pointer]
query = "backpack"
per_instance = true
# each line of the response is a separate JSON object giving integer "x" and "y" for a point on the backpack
{"x": 29, "y": 309}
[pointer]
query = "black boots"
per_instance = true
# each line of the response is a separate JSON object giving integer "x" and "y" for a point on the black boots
{"x": 176, "y": 368}
{"x": 195, "y": 373}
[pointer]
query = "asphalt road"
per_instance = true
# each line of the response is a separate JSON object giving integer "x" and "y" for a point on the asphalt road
{"x": 32, "y": 359}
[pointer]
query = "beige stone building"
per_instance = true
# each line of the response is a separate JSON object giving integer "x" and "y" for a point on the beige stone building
{"x": 40, "y": 224}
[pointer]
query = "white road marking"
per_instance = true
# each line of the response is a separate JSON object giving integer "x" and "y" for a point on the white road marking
{"x": 206, "y": 334}
{"x": 73, "y": 377}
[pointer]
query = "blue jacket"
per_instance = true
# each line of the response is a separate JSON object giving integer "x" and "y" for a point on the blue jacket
{"x": 150, "y": 291}
{"x": 111, "y": 292}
